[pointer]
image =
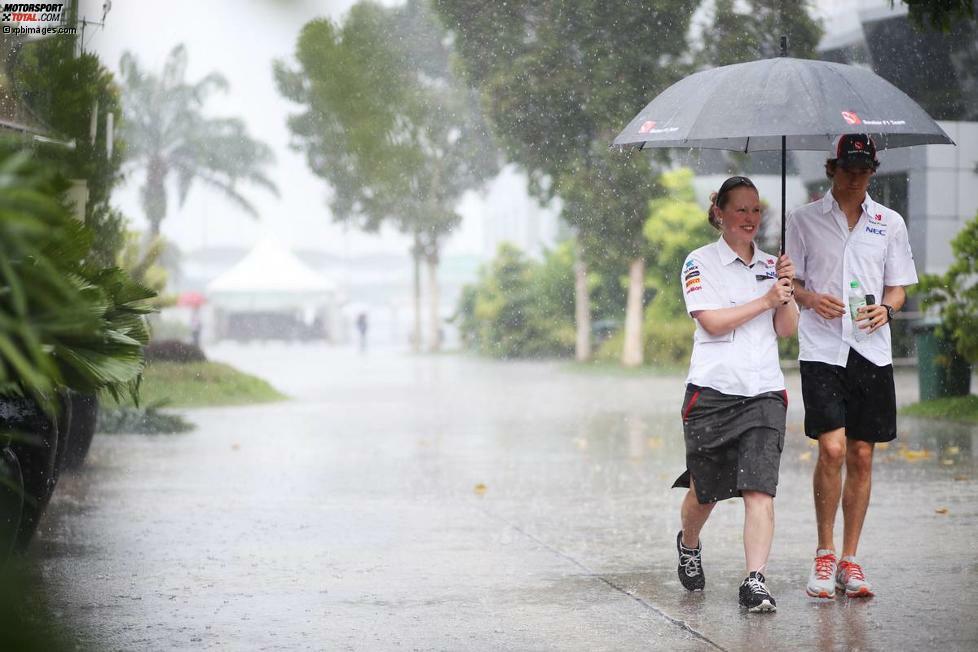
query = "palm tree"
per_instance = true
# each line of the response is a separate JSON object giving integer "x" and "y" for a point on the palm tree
{"x": 64, "y": 324}
{"x": 168, "y": 137}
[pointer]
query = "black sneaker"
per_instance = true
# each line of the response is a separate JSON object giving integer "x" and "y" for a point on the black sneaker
{"x": 755, "y": 596}
{"x": 690, "y": 565}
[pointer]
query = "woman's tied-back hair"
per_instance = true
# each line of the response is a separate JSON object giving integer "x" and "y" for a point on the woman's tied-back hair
{"x": 719, "y": 198}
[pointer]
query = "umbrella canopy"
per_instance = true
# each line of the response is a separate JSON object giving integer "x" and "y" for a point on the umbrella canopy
{"x": 749, "y": 107}
{"x": 780, "y": 104}
{"x": 191, "y": 299}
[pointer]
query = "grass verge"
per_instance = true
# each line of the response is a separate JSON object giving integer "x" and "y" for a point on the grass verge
{"x": 199, "y": 384}
{"x": 953, "y": 408}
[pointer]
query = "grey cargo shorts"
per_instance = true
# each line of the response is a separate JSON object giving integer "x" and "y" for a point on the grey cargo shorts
{"x": 733, "y": 443}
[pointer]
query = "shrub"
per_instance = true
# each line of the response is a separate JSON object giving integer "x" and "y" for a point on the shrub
{"x": 520, "y": 308}
{"x": 144, "y": 421}
{"x": 173, "y": 351}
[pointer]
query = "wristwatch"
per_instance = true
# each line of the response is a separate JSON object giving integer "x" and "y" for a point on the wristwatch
{"x": 889, "y": 312}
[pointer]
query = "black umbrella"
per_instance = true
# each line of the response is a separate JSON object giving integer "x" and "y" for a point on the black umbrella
{"x": 782, "y": 103}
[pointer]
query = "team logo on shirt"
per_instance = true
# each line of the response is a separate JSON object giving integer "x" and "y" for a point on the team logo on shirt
{"x": 691, "y": 276}
{"x": 875, "y": 230}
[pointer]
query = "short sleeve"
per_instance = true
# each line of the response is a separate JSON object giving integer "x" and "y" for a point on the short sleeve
{"x": 794, "y": 246}
{"x": 899, "y": 267}
{"x": 699, "y": 287}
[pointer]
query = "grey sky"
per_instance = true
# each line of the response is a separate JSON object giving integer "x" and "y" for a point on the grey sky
{"x": 240, "y": 39}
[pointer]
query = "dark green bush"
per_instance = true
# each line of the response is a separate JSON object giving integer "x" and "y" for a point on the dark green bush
{"x": 144, "y": 421}
{"x": 173, "y": 351}
{"x": 520, "y": 308}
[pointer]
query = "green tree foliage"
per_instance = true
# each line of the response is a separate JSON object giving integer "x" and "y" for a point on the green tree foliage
{"x": 62, "y": 91}
{"x": 954, "y": 294}
{"x": 939, "y": 14}
{"x": 387, "y": 123}
{"x": 63, "y": 321}
{"x": 170, "y": 139}
{"x": 751, "y": 29}
{"x": 675, "y": 225}
{"x": 559, "y": 79}
{"x": 520, "y": 308}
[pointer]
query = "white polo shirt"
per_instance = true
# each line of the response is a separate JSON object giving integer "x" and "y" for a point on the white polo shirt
{"x": 828, "y": 257}
{"x": 743, "y": 362}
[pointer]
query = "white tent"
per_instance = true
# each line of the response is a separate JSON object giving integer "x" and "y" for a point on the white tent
{"x": 271, "y": 294}
{"x": 270, "y": 278}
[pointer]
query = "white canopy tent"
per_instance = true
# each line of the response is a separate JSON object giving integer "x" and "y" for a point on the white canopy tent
{"x": 271, "y": 279}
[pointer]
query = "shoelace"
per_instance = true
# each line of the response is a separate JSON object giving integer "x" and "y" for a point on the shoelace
{"x": 823, "y": 566}
{"x": 853, "y": 571}
{"x": 690, "y": 562}
{"x": 756, "y": 586}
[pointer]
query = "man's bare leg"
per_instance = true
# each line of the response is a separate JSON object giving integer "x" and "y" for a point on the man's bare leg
{"x": 827, "y": 484}
{"x": 855, "y": 495}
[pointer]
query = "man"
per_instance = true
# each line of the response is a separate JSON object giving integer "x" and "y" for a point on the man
{"x": 847, "y": 376}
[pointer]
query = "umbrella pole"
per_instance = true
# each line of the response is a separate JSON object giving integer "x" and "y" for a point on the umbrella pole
{"x": 784, "y": 158}
{"x": 784, "y": 144}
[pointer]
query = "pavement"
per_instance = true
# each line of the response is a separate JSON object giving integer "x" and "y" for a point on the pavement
{"x": 447, "y": 502}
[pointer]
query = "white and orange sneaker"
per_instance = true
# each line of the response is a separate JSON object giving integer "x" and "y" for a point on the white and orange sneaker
{"x": 821, "y": 581}
{"x": 850, "y": 578}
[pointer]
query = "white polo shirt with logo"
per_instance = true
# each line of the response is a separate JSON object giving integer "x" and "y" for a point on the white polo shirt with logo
{"x": 828, "y": 257}
{"x": 743, "y": 362}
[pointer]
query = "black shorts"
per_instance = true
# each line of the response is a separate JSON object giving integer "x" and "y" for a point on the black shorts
{"x": 859, "y": 397}
{"x": 733, "y": 443}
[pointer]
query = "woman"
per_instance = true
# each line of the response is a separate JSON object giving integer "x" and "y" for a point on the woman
{"x": 734, "y": 410}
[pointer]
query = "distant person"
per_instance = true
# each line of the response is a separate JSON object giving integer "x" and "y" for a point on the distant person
{"x": 734, "y": 409}
{"x": 362, "y": 330}
{"x": 196, "y": 326}
{"x": 847, "y": 246}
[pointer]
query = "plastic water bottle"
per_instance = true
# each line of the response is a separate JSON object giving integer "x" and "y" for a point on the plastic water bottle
{"x": 857, "y": 300}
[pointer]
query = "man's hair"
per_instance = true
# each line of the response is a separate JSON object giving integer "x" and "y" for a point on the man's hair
{"x": 832, "y": 164}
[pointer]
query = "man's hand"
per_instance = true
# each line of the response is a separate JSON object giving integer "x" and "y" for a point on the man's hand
{"x": 828, "y": 306}
{"x": 871, "y": 318}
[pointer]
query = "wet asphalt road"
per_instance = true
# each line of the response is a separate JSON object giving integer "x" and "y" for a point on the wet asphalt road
{"x": 451, "y": 503}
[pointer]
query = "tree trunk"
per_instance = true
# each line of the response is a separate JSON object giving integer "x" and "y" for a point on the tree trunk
{"x": 631, "y": 353}
{"x": 154, "y": 196}
{"x": 582, "y": 311}
{"x": 434, "y": 316}
{"x": 416, "y": 295}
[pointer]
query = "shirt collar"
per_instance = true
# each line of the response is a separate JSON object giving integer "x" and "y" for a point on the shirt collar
{"x": 829, "y": 202}
{"x": 728, "y": 255}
